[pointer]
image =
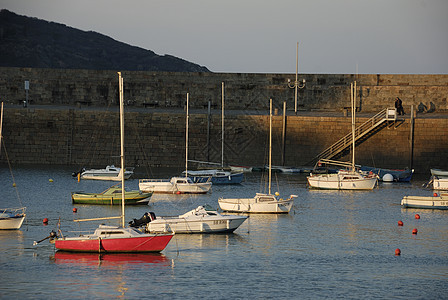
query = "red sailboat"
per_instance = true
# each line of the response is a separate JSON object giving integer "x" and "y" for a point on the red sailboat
{"x": 114, "y": 239}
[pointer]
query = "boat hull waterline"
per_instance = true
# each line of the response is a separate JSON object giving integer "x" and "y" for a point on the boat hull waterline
{"x": 437, "y": 202}
{"x": 202, "y": 219}
{"x": 261, "y": 203}
{"x": 114, "y": 239}
{"x": 175, "y": 225}
{"x": 12, "y": 219}
{"x": 111, "y": 196}
{"x": 175, "y": 185}
{"x": 12, "y": 223}
{"x": 341, "y": 181}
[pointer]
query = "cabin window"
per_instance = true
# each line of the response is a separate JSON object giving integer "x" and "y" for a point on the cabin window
{"x": 111, "y": 232}
{"x": 265, "y": 199}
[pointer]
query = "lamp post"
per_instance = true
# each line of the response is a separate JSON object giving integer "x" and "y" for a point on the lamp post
{"x": 297, "y": 84}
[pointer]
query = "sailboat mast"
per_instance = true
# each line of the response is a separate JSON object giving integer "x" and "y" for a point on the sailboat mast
{"x": 120, "y": 85}
{"x": 270, "y": 143}
{"x": 353, "y": 102}
{"x": 222, "y": 126}
{"x": 186, "y": 139}
{"x": 1, "y": 127}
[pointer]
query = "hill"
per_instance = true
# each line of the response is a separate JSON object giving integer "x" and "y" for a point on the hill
{"x": 35, "y": 43}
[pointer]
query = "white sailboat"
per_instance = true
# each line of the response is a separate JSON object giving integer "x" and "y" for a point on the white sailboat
{"x": 351, "y": 179}
{"x": 176, "y": 185}
{"x": 110, "y": 239}
{"x": 219, "y": 175}
{"x": 10, "y": 218}
{"x": 261, "y": 203}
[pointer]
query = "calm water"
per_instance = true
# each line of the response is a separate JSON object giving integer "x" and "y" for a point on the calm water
{"x": 332, "y": 245}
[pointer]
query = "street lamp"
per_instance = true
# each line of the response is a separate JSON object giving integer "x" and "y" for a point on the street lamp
{"x": 297, "y": 84}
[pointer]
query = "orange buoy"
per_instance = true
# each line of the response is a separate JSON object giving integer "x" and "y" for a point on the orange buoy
{"x": 75, "y": 209}
{"x": 178, "y": 192}
{"x": 414, "y": 231}
{"x": 45, "y": 221}
{"x": 417, "y": 216}
{"x": 397, "y": 251}
{"x": 400, "y": 223}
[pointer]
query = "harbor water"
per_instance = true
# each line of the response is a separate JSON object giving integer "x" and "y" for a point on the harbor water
{"x": 333, "y": 244}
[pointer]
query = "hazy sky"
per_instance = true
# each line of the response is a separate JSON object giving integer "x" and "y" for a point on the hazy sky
{"x": 256, "y": 36}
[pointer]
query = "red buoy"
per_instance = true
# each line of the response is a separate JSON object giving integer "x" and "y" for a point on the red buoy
{"x": 178, "y": 192}
{"x": 75, "y": 209}
{"x": 397, "y": 251}
{"x": 400, "y": 223}
{"x": 435, "y": 195}
{"x": 45, "y": 221}
{"x": 417, "y": 216}
{"x": 414, "y": 231}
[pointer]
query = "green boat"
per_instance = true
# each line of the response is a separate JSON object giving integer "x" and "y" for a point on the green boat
{"x": 111, "y": 196}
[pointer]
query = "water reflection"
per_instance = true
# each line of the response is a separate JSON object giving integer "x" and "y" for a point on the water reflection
{"x": 12, "y": 241}
{"x": 110, "y": 275}
{"x": 110, "y": 260}
{"x": 199, "y": 246}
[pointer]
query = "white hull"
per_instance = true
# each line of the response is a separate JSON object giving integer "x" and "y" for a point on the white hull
{"x": 12, "y": 218}
{"x": 205, "y": 225}
{"x": 439, "y": 172}
{"x": 177, "y": 185}
{"x": 11, "y": 223}
{"x": 202, "y": 219}
{"x": 342, "y": 181}
{"x": 261, "y": 203}
{"x": 439, "y": 202}
{"x": 440, "y": 183}
{"x": 238, "y": 169}
{"x": 111, "y": 173}
{"x": 104, "y": 177}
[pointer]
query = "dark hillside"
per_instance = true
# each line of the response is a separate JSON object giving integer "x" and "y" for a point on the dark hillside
{"x": 35, "y": 43}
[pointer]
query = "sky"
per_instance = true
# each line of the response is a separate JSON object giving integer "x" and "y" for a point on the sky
{"x": 255, "y": 36}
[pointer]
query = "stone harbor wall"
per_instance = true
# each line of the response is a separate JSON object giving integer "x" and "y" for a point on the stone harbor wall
{"x": 246, "y": 92}
{"x": 156, "y": 138}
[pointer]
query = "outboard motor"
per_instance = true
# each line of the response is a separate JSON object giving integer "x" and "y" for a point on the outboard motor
{"x": 147, "y": 217}
{"x": 75, "y": 174}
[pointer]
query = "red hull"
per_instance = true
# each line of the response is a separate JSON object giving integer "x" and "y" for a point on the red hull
{"x": 109, "y": 259}
{"x": 115, "y": 245}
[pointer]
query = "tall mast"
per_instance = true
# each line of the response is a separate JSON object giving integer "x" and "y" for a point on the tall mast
{"x": 222, "y": 126}
{"x": 120, "y": 85}
{"x": 353, "y": 102}
{"x": 1, "y": 126}
{"x": 186, "y": 139}
{"x": 270, "y": 143}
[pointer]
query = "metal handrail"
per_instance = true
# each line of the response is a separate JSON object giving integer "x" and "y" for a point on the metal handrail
{"x": 360, "y": 131}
